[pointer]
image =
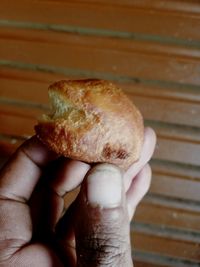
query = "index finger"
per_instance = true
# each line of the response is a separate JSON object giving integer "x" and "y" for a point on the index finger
{"x": 146, "y": 154}
{"x": 20, "y": 175}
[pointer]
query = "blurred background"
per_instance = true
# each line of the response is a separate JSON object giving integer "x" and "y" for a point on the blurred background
{"x": 152, "y": 50}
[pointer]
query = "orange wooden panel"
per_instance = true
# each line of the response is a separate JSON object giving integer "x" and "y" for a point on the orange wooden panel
{"x": 99, "y": 56}
{"x": 183, "y": 6}
{"x": 17, "y": 126}
{"x": 7, "y": 148}
{"x": 167, "y": 216}
{"x": 169, "y": 91}
{"x": 177, "y": 150}
{"x": 175, "y": 180}
{"x": 138, "y": 263}
{"x": 175, "y": 186}
{"x": 175, "y": 170}
{"x": 166, "y": 246}
{"x": 162, "y": 104}
{"x": 96, "y": 15}
{"x": 167, "y": 110}
{"x": 152, "y": 108}
{"x": 27, "y": 111}
{"x": 43, "y": 79}
{"x": 28, "y": 75}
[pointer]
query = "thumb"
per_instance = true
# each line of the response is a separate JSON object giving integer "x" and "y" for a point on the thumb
{"x": 102, "y": 232}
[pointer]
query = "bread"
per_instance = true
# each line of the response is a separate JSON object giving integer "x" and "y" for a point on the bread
{"x": 92, "y": 121}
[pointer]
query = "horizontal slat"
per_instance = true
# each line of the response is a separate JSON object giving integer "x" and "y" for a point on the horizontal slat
{"x": 175, "y": 180}
{"x": 18, "y": 126}
{"x": 182, "y": 6}
{"x": 165, "y": 246}
{"x": 175, "y": 186}
{"x": 178, "y": 144}
{"x": 187, "y": 6}
{"x": 173, "y": 233}
{"x": 108, "y": 17}
{"x": 154, "y": 259}
{"x": 28, "y": 75}
{"x": 167, "y": 110}
{"x": 96, "y": 55}
{"x": 174, "y": 202}
{"x": 171, "y": 169}
{"x": 141, "y": 263}
{"x": 178, "y": 106}
{"x": 168, "y": 216}
{"x": 177, "y": 150}
{"x": 21, "y": 109}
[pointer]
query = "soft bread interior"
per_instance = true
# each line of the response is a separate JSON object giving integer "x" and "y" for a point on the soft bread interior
{"x": 62, "y": 108}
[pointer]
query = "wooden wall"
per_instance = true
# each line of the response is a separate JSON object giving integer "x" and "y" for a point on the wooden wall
{"x": 152, "y": 50}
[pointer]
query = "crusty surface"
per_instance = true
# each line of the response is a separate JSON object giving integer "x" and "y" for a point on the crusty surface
{"x": 92, "y": 121}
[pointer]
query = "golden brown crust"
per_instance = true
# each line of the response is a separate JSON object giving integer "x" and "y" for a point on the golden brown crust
{"x": 100, "y": 123}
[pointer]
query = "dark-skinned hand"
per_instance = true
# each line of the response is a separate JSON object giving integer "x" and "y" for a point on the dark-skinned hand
{"x": 35, "y": 228}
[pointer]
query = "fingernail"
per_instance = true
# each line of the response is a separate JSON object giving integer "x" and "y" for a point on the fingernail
{"x": 104, "y": 186}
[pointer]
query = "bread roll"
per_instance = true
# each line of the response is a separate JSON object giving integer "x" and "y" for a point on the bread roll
{"x": 92, "y": 121}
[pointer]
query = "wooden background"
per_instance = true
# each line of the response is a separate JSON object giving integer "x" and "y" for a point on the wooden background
{"x": 152, "y": 50}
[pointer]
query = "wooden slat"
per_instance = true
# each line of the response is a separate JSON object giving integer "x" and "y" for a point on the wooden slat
{"x": 169, "y": 216}
{"x": 110, "y": 17}
{"x": 162, "y": 260}
{"x": 175, "y": 186}
{"x": 184, "y": 171}
{"x": 166, "y": 246}
{"x": 173, "y": 92}
{"x": 160, "y": 109}
{"x": 179, "y": 6}
{"x": 187, "y": 6}
{"x": 138, "y": 263}
{"x": 167, "y": 110}
{"x": 177, "y": 150}
{"x": 101, "y": 55}
{"x": 162, "y": 104}
{"x": 19, "y": 126}
{"x": 176, "y": 180}
{"x": 28, "y": 75}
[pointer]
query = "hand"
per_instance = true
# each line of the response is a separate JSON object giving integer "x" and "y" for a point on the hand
{"x": 94, "y": 231}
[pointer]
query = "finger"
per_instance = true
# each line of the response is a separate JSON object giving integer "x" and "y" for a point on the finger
{"x": 47, "y": 202}
{"x": 65, "y": 235}
{"x": 101, "y": 222}
{"x": 70, "y": 176}
{"x": 139, "y": 187}
{"x": 20, "y": 175}
{"x": 146, "y": 154}
{"x": 17, "y": 181}
{"x": 36, "y": 254}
